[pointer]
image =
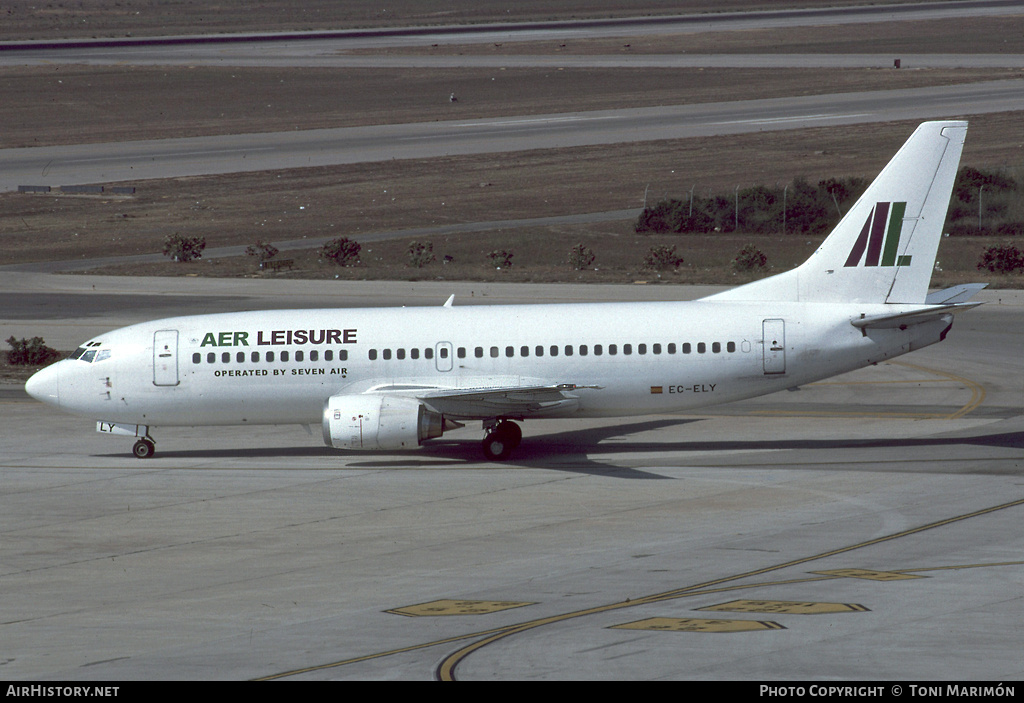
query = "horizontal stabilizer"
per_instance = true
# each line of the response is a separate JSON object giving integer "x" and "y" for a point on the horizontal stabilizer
{"x": 905, "y": 319}
{"x": 956, "y": 294}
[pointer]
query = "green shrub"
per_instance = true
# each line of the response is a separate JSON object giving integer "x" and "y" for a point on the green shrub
{"x": 750, "y": 258}
{"x": 421, "y": 254}
{"x": 1011, "y": 229}
{"x": 970, "y": 180}
{"x": 662, "y": 258}
{"x": 581, "y": 257}
{"x": 342, "y": 251}
{"x": 804, "y": 208}
{"x": 183, "y": 249}
{"x": 30, "y": 352}
{"x": 1002, "y": 259}
{"x": 500, "y": 258}
{"x": 262, "y": 251}
{"x": 664, "y": 216}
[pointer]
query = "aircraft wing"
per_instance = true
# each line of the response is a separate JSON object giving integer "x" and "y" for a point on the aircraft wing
{"x": 496, "y": 401}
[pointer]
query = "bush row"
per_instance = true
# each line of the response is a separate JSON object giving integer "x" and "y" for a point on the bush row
{"x": 983, "y": 203}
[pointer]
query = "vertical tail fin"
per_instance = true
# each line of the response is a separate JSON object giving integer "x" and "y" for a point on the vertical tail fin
{"x": 883, "y": 250}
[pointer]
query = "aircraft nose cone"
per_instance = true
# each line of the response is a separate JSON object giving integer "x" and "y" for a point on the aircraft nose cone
{"x": 44, "y": 385}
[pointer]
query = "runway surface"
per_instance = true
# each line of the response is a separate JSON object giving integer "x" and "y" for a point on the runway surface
{"x": 862, "y": 528}
{"x": 168, "y": 158}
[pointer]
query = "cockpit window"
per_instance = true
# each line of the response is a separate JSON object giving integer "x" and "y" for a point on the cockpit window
{"x": 90, "y": 356}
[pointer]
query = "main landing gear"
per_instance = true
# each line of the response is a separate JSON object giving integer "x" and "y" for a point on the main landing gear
{"x": 501, "y": 440}
{"x": 144, "y": 448}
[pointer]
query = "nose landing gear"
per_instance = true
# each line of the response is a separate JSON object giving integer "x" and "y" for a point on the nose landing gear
{"x": 501, "y": 440}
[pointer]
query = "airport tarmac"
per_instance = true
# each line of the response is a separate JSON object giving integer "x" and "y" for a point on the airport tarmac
{"x": 866, "y": 527}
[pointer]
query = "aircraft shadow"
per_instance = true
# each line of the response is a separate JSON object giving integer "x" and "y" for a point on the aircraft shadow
{"x": 580, "y": 451}
{"x": 564, "y": 451}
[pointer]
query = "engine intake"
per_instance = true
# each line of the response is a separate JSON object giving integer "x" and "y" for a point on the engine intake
{"x": 376, "y": 421}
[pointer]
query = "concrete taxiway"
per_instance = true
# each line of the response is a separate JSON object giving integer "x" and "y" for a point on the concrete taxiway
{"x": 867, "y": 527}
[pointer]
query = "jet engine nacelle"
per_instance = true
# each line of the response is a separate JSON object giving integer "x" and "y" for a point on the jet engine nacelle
{"x": 375, "y": 421}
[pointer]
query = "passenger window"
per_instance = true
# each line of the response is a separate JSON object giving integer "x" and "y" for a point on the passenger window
{"x": 627, "y": 349}
{"x": 568, "y": 350}
{"x": 428, "y": 353}
{"x": 210, "y": 358}
{"x": 687, "y": 348}
{"x": 284, "y": 356}
{"x": 583, "y": 350}
{"x": 701, "y": 347}
{"x": 672, "y": 348}
{"x": 641, "y": 348}
{"x": 314, "y": 355}
{"x": 539, "y": 350}
{"x": 414, "y": 353}
{"x": 196, "y": 358}
{"x": 730, "y": 347}
{"x": 716, "y": 347}
{"x": 386, "y": 354}
{"x": 553, "y": 350}
{"x": 372, "y": 354}
{"x": 598, "y": 350}
{"x": 656, "y": 348}
{"x": 400, "y": 353}
{"x": 270, "y": 356}
{"x": 461, "y": 353}
{"x": 342, "y": 355}
{"x": 329, "y": 355}
{"x": 494, "y": 352}
{"x": 240, "y": 357}
{"x": 524, "y": 351}
{"x": 613, "y": 349}
{"x": 255, "y": 357}
{"x": 443, "y": 352}
{"x": 299, "y": 356}
{"x": 225, "y": 357}
{"x": 478, "y": 352}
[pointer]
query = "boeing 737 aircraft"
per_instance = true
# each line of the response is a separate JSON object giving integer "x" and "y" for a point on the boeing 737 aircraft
{"x": 390, "y": 379}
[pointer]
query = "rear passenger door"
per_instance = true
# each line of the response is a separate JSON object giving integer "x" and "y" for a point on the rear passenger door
{"x": 774, "y": 346}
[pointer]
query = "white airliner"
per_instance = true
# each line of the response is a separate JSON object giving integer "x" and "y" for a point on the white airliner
{"x": 390, "y": 379}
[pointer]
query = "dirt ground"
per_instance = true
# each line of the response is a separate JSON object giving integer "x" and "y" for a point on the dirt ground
{"x": 356, "y": 200}
{"x": 32, "y": 19}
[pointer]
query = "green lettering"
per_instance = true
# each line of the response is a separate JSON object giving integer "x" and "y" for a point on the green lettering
{"x": 209, "y": 340}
